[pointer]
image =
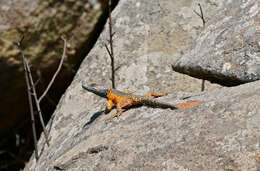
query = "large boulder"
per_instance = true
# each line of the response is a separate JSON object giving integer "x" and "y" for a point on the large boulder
{"x": 148, "y": 38}
{"x": 227, "y": 51}
{"x": 221, "y": 133}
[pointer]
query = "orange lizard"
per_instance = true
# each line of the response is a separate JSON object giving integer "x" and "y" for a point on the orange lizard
{"x": 124, "y": 100}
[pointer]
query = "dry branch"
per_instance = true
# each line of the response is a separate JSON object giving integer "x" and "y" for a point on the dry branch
{"x": 204, "y": 22}
{"x": 34, "y": 94}
{"x": 57, "y": 71}
{"x": 19, "y": 44}
{"x": 111, "y": 51}
{"x": 31, "y": 91}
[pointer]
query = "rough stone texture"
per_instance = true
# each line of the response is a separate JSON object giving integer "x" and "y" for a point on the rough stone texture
{"x": 221, "y": 133}
{"x": 227, "y": 51}
{"x": 149, "y": 37}
{"x": 43, "y": 22}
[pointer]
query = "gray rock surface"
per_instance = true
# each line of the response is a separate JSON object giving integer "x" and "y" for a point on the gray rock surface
{"x": 148, "y": 38}
{"x": 227, "y": 51}
{"x": 221, "y": 133}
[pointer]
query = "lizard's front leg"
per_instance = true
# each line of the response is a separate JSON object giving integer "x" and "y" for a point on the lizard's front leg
{"x": 109, "y": 107}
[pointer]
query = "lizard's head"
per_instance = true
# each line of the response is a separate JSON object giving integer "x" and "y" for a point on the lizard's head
{"x": 99, "y": 92}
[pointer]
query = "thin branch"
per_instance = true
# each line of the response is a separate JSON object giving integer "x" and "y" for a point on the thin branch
{"x": 38, "y": 73}
{"x": 112, "y": 66}
{"x": 204, "y": 22}
{"x": 111, "y": 54}
{"x": 117, "y": 68}
{"x": 36, "y": 101}
{"x": 19, "y": 44}
{"x": 32, "y": 92}
{"x": 57, "y": 71}
{"x": 200, "y": 15}
{"x": 108, "y": 51}
{"x": 203, "y": 85}
{"x": 196, "y": 13}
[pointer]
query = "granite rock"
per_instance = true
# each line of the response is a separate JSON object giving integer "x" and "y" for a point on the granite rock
{"x": 221, "y": 133}
{"x": 227, "y": 51}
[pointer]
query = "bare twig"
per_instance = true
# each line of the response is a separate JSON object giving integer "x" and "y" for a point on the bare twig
{"x": 57, "y": 71}
{"x": 19, "y": 44}
{"x": 38, "y": 73}
{"x": 108, "y": 51}
{"x": 204, "y": 22}
{"x": 111, "y": 52}
{"x": 36, "y": 101}
{"x": 200, "y": 15}
{"x": 112, "y": 67}
{"x": 32, "y": 92}
{"x": 203, "y": 85}
{"x": 117, "y": 68}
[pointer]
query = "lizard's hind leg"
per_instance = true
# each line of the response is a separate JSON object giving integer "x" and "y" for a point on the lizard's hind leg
{"x": 124, "y": 104}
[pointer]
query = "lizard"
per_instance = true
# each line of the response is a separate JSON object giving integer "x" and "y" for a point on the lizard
{"x": 124, "y": 100}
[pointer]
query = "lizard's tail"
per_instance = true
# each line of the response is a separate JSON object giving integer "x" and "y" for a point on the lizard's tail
{"x": 152, "y": 102}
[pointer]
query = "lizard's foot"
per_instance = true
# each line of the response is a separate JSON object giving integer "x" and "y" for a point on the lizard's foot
{"x": 118, "y": 114}
{"x": 112, "y": 117}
